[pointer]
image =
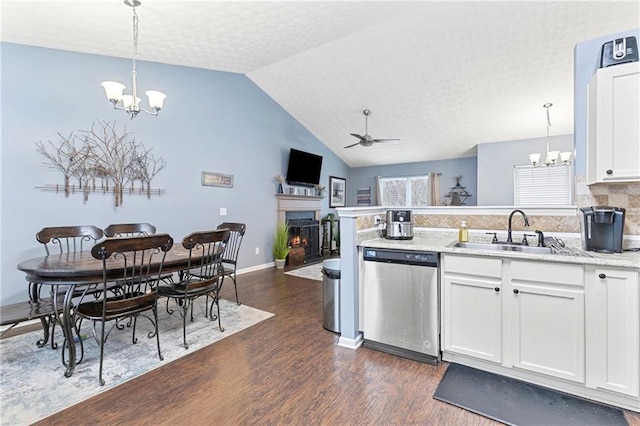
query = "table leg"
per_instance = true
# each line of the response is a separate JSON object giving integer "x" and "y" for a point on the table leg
{"x": 67, "y": 329}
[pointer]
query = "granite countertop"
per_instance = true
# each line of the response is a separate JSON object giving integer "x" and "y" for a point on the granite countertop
{"x": 439, "y": 241}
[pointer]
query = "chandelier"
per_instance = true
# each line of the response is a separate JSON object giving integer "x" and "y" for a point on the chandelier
{"x": 552, "y": 156}
{"x": 114, "y": 90}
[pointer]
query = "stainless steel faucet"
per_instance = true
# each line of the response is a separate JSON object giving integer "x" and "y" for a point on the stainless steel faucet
{"x": 526, "y": 223}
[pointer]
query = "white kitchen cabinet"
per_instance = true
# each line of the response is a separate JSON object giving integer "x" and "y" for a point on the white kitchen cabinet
{"x": 547, "y": 309}
{"x": 472, "y": 306}
{"x": 613, "y": 134}
{"x": 615, "y": 328}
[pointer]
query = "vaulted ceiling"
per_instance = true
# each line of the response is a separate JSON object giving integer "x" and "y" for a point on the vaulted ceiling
{"x": 440, "y": 76}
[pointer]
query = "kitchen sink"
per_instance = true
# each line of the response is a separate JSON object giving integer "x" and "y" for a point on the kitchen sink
{"x": 502, "y": 247}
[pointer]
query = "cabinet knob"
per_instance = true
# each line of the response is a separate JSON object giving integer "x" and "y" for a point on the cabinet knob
{"x": 602, "y": 276}
{"x": 516, "y": 291}
{"x": 497, "y": 289}
{"x": 609, "y": 172}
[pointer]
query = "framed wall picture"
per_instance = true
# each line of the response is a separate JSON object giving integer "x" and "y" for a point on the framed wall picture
{"x": 337, "y": 191}
{"x": 217, "y": 179}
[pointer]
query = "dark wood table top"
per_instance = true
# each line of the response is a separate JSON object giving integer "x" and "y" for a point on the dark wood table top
{"x": 82, "y": 267}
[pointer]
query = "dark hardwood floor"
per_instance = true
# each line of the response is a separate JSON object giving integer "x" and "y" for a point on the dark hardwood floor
{"x": 285, "y": 370}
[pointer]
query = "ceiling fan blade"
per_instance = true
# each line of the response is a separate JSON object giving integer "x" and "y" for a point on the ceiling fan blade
{"x": 349, "y": 146}
{"x": 357, "y": 136}
{"x": 386, "y": 140}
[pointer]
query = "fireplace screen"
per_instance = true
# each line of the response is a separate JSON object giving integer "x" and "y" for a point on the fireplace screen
{"x": 305, "y": 234}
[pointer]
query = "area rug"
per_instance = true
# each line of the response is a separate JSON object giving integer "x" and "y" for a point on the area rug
{"x": 312, "y": 272}
{"x": 515, "y": 402}
{"x": 32, "y": 379}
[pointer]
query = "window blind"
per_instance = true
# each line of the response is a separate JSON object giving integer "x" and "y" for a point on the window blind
{"x": 542, "y": 185}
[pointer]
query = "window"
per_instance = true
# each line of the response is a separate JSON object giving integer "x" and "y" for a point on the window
{"x": 409, "y": 191}
{"x": 549, "y": 186}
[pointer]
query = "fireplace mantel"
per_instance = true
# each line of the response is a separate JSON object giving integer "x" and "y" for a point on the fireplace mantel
{"x": 298, "y": 203}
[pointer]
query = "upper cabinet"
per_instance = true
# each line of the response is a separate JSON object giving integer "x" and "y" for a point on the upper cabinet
{"x": 613, "y": 136}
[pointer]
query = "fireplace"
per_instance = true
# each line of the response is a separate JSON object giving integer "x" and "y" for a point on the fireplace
{"x": 302, "y": 214}
{"x": 304, "y": 239}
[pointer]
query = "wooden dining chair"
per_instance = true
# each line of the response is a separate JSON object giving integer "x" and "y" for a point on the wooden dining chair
{"x": 202, "y": 277}
{"x": 55, "y": 239}
{"x": 140, "y": 261}
{"x": 119, "y": 230}
{"x": 68, "y": 239}
{"x": 230, "y": 258}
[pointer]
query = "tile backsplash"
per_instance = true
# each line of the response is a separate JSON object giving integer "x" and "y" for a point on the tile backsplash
{"x": 626, "y": 195}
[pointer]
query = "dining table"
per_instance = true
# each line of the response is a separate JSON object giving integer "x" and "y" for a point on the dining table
{"x": 68, "y": 270}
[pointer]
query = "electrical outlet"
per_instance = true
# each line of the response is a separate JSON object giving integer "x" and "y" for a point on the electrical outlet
{"x": 377, "y": 219}
{"x": 223, "y": 211}
{"x": 257, "y": 250}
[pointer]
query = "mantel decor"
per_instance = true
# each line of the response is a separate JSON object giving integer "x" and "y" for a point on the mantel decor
{"x": 102, "y": 160}
{"x": 337, "y": 191}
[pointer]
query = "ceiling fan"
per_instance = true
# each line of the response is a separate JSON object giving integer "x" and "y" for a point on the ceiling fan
{"x": 367, "y": 140}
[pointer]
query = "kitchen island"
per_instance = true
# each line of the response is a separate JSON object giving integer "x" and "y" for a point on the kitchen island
{"x": 564, "y": 322}
{"x": 570, "y": 323}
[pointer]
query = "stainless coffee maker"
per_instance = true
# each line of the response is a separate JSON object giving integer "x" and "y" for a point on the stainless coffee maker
{"x": 602, "y": 228}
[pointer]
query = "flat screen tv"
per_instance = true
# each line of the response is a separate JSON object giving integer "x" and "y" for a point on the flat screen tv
{"x": 304, "y": 168}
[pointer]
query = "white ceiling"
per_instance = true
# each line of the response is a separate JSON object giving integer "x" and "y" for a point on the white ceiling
{"x": 441, "y": 76}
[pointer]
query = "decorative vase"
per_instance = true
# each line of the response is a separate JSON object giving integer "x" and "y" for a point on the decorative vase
{"x": 280, "y": 189}
{"x": 280, "y": 263}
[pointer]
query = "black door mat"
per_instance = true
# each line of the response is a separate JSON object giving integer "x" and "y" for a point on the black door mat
{"x": 515, "y": 402}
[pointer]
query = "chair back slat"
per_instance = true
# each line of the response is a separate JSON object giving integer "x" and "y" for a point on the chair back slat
{"x": 119, "y": 230}
{"x": 68, "y": 239}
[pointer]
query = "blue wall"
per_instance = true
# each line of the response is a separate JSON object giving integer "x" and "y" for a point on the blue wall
{"x": 467, "y": 167}
{"x": 212, "y": 121}
{"x": 586, "y": 63}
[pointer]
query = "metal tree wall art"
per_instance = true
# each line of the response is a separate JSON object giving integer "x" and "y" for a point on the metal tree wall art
{"x": 104, "y": 160}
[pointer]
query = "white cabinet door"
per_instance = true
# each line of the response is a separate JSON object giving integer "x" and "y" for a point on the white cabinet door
{"x": 617, "y": 330}
{"x": 547, "y": 312}
{"x": 548, "y": 331}
{"x": 613, "y": 108}
{"x": 472, "y": 306}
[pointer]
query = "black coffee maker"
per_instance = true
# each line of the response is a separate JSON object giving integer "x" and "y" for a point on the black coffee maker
{"x": 602, "y": 228}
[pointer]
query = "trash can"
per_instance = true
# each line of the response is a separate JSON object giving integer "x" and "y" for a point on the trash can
{"x": 331, "y": 295}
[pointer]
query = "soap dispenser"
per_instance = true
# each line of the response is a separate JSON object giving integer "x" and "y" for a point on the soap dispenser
{"x": 463, "y": 232}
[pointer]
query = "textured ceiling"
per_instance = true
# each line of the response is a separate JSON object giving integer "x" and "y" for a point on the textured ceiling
{"x": 441, "y": 76}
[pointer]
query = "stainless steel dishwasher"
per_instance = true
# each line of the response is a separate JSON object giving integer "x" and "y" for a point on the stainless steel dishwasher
{"x": 401, "y": 303}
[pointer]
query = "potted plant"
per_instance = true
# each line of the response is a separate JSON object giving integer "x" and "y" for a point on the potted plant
{"x": 280, "y": 247}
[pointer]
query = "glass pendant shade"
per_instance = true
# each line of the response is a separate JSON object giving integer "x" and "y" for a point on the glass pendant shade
{"x": 534, "y": 158}
{"x": 156, "y": 99}
{"x": 113, "y": 90}
{"x": 552, "y": 157}
{"x": 565, "y": 157}
{"x": 127, "y": 101}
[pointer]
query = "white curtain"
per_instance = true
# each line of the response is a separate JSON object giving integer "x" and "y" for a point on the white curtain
{"x": 434, "y": 188}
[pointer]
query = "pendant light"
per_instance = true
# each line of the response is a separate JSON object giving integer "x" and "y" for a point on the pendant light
{"x": 114, "y": 90}
{"x": 552, "y": 156}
